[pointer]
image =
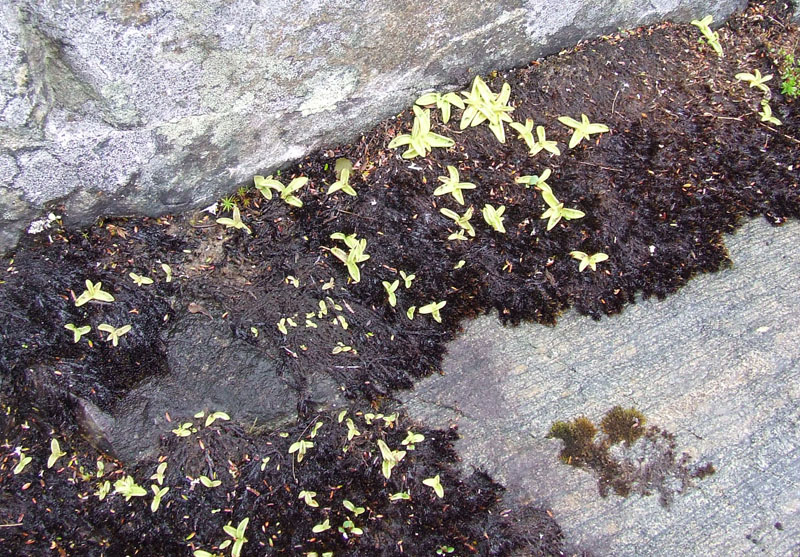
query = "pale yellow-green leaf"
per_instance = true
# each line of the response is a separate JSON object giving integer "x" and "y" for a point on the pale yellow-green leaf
{"x": 55, "y": 453}
{"x": 140, "y": 280}
{"x": 216, "y": 416}
{"x": 436, "y": 484}
{"x": 77, "y": 332}
{"x": 24, "y": 460}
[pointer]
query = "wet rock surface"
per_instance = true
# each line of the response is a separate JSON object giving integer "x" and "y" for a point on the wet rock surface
{"x": 716, "y": 364}
{"x": 210, "y": 370}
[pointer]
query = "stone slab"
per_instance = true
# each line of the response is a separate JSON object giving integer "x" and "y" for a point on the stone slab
{"x": 717, "y": 363}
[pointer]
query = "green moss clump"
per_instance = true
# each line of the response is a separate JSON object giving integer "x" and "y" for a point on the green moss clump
{"x": 578, "y": 437}
{"x": 624, "y": 471}
{"x": 621, "y": 424}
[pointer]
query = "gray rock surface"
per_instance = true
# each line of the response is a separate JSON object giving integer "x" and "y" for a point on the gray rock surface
{"x": 718, "y": 364}
{"x": 209, "y": 370}
{"x": 131, "y": 107}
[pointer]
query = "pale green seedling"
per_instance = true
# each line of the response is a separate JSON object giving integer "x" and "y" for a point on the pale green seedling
{"x": 77, "y": 332}
{"x": 556, "y": 210}
{"x": 451, "y": 184}
{"x": 587, "y": 260}
{"x": 204, "y": 553}
{"x": 436, "y": 484}
{"x": 238, "y": 537}
{"x": 55, "y": 453}
{"x": 185, "y": 429}
{"x": 710, "y": 37}
{"x": 390, "y": 458}
{"x": 412, "y": 439}
{"x": 543, "y": 144}
{"x": 343, "y": 169}
{"x": 407, "y": 279}
{"x": 341, "y": 347}
{"x": 140, "y": 280}
{"x": 236, "y": 222}
{"x": 159, "y": 474}
{"x": 103, "y": 490}
{"x": 583, "y": 129}
{"x": 461, "y": 220}
{"x": 539, "y": 182}
{"x": 442, "y": 102}
{"x": 766, "y": 114}
{"x": 433, "y": 309}
{"x": 352, "y": 508}
{"x": 351, "y": 429}
{"x": 494, "y": 217}
{"x": 24, "y": 460}
{"x": 755, "y": 79}
{"x": 349, "y": 528}
{"x": 208, "y": 482}
{"x": 308, "y": 498}
{"x": 421, "y": 140}
{"x": 214, "y": 416}
{"x": 114, "y": 333}
{"x": 300, "y": 447}
{"x": 93, "y": 292}
{"x": 157, "y": 495}
{"x": 526, "y": 134}
{"x": 352, "y": 258}
{"x": 266, "y": 185}
{"x": 127, "y": 487}
{"x": 390, "y": 288}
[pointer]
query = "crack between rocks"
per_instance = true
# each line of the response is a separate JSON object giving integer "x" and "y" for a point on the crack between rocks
{"x": 443, "y": 406}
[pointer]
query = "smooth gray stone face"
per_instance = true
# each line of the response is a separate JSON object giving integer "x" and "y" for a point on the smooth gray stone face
{"x": 148, "y": 107}
{"x": 717, "y": 363}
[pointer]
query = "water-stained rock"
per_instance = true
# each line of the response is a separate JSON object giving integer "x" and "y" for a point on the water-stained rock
{"x": 212, "y": 370}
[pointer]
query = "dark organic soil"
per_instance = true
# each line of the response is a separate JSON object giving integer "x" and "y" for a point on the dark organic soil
{"x": 685, "y": 161}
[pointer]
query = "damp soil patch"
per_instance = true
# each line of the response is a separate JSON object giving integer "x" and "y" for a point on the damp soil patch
{"x": 686, "y": 159}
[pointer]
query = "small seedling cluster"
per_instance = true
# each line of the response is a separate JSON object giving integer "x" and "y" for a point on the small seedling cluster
{"x": 354, "y": 256}
{"x": 328, "y": 312}
{"x": 481, "y": 104}
{"x": 754, "y": 79}
{"x": 94, "y": 293}
{"x": 757, "y": 81}
{"x": 709, "y": 37}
